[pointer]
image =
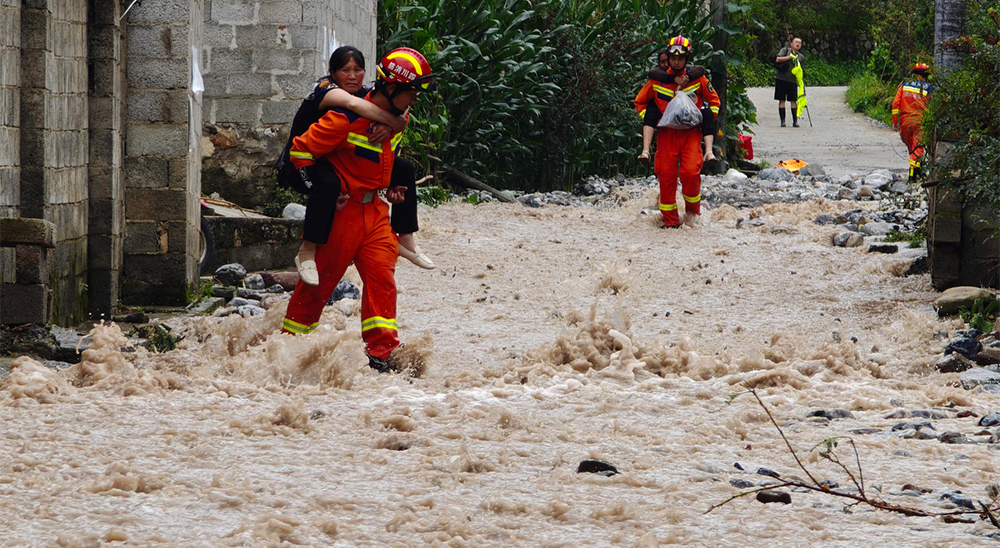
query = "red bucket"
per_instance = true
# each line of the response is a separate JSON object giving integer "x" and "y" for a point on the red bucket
{"x": 746, "y": 143}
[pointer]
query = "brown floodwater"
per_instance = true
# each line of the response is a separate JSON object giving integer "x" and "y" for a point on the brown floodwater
{"x": 546, "y": 336}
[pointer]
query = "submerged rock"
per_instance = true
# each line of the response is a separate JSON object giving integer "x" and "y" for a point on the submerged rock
{"x": 990, "y": 419}
{"x": 344, "y": 290}
{"x": 832, "y": 414}
{"x": 768, "y": 497}
{"x": 599, "y": 467}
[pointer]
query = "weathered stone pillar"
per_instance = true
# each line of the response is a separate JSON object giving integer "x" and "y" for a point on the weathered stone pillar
{"x": 107, "y": 92}
{"x": 54, "y": 141}
{"x": 162, "y": 153}
{"x": 10, "y": 123}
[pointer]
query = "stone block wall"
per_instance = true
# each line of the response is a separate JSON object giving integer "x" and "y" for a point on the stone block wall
{"x": 54, "y": 141}
{"x": 10, "y": 123}
{"x": 963, "y": 246}
{"x": 162, "y": 152}
{"x": 262, "y": 57}
{"x": 257, "y": 244}
{"x": 105, "y": 174}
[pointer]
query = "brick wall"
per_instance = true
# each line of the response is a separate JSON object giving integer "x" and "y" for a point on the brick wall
{"x": 54, "y": 140}
{"x": 10, "y": 122}
{"x": 162, "y": 153}
{"x": 105, "y": 174}
{"x": 262, "y": 57}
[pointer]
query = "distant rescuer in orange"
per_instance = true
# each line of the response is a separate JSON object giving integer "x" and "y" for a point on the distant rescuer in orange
{"x": 361, "y": 232}
{"x": 908, "y": 114}
{"x": 678, "y": 151}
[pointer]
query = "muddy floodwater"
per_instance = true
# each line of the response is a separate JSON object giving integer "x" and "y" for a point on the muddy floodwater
{"x": 547, "y": 336}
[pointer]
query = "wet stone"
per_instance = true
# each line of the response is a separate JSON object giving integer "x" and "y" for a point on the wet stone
{"x": 344, "y": 290}
{"x": 956, "y": 498}
{"x": 911, "y": 487}
{"x": 249, "y": 294}
{"x": 276, "y": 288}
{"x": 848, "y": 239}
{"x": 599, "y": 467}
{"x": 237, "y": 302}
{"x": 864, "y": 431}
{"x": 953, "y": 437}
{"x": 741, "y": 483}
{"x": 913, "y": 426}
{"x": 768, "y": 472}
{"x": 249, "y": 310}
{"x": 135, "y": 317}
{"x": 825, "y": 219}
{"x": 768, "y": 497}
{"x": 967, "y": 347}
{"x": 223, "y": 291}
{"x": 832, "y": 414}
{"x": 990, "y": 419}
{"x": 972, "y": 333}
{"x": 966, "y": 414}
{"x": 287, "y": 280}
{"x": 954, "y": 363}
{"x": 254, "y": 281}
{"x": 883, "y": 248}
{"x": 979, "y": 376}
{"x": 230, "y": 274}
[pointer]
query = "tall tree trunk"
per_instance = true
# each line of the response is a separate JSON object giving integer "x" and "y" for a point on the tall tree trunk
{"x": 949, "y": 23}
{"x": 719, "y": 75}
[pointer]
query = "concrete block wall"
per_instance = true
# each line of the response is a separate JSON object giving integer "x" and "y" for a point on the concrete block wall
{"x": 54, "y": 141}
{"x": 105, "y": 171}
{"x": 162, "y": 153}
{"x": 10, "y": 123}
{"x": 262, "y": 57}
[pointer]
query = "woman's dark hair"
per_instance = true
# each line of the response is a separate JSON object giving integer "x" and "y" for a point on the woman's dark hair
{"x": 343, "y": 54}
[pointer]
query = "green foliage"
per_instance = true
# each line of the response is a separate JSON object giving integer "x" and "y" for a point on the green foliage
{"x": 982, "y": 315}
{"x": 537, "y": 93}
{"x": 903, "y": 34}
{"x": 871, "y": 96}
{"x": 432, "y": 195}
{"x": 965, "y": 109}
{"x": 198, "y": 292}
{"x": 280, "y": 197}
{"x": 914, "y": 238}
{"x": 159, "y": 336}
{"x": 819, "y": 72}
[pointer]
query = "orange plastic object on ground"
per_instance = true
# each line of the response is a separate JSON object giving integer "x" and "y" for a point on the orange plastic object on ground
{"x": 793, "y": 165}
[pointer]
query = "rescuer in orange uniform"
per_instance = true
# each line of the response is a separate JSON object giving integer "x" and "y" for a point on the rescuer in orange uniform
{"x": 908, "y": 114}
{"x": 678, "y": 151}
{"x": 361, "y": 232}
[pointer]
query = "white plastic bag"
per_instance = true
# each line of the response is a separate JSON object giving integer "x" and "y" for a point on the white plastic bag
{"x": 681, "y": 113}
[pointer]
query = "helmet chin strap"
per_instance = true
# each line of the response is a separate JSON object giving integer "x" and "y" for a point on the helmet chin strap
{"x": 380, "y": 87}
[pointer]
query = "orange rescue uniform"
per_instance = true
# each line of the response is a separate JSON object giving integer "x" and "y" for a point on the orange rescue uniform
{"x": 360, "y": 233}
{"x": 678, "y": 151}
{"x": 908, "y": 112}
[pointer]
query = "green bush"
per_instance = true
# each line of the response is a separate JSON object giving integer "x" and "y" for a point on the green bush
{"x": 965, "y": 109}
{"x": 871, "y": 96}
{"x": 819, "y": 72}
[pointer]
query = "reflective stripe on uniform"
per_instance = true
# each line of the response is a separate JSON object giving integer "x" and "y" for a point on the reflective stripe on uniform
{"x": 378, "y": 322}
{"x": 668, "y": 207}
{"x": 915, "y": 90}
{"x": 693, "y": 87}
{"x": 298, "y": 154}
{"x": 692, "y": 199}
{"x": 914, "y": 163}
{"x": 398, "y": 138}
{"x": 895, "y": 111}
{"x": 642, "y": 114}
{"x": 296, "y": 327}
{"x": 715, "y": 109}
{"x": 359, "y": 140}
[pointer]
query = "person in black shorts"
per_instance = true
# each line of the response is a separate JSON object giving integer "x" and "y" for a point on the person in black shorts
{"x": 785, "y": 86}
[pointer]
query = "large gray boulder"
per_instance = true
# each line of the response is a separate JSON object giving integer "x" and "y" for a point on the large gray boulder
{"x": 954, "y": 299}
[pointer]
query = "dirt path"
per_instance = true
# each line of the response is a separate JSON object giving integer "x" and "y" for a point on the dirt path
{"x": 841, "y": 140}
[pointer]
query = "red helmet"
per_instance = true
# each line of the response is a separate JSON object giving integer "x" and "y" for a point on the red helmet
{"x": 921, "y": 68}
{"x": 407, "y": 68}
{"x": 679, "y": 46}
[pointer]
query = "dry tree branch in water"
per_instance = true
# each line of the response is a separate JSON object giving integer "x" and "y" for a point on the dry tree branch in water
{"x": 861, "y": 497}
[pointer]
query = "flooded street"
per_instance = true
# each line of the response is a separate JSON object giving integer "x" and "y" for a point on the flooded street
{"x": 550, "y": 336}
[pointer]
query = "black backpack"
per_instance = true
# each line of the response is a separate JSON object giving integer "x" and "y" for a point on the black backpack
{"x": 287, "y": 175}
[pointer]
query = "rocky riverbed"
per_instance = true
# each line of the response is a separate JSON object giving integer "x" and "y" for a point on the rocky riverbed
{"x": 582, "y": 382}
